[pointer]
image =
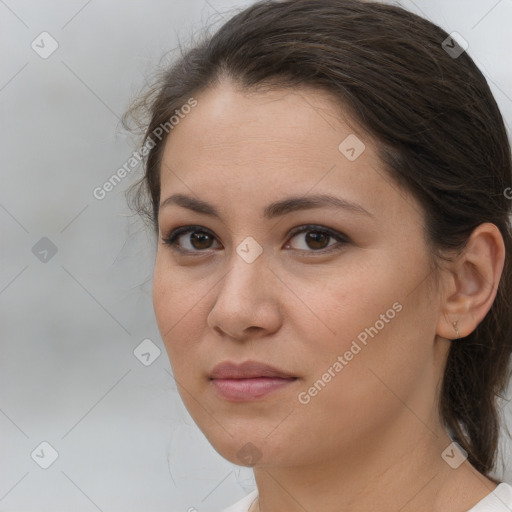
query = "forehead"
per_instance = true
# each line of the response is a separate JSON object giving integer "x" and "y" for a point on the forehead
{"x": 225, "y": 114}
{"x": 229, "y": 128}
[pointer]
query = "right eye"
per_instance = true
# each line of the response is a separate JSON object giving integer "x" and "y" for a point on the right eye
{"x": 200, "y": 241}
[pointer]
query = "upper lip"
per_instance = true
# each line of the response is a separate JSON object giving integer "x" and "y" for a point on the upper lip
{"x": 247, "y": 370}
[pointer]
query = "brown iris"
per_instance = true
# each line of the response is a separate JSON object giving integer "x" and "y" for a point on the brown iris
{"x": 315, "y": 239}
{"x": 203, "y": 240}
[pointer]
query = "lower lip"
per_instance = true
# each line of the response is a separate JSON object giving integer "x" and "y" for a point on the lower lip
{"x": 242, "y": 390}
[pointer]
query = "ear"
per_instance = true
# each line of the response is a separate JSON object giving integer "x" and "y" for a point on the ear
{"x": 473, "y": 282}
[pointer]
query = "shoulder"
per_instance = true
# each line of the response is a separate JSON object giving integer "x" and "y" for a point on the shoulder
{"x": 499, "y": 500}
{"x": 243, "y": 504}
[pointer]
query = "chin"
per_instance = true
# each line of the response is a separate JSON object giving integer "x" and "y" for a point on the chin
{"x": 247, "y": 448}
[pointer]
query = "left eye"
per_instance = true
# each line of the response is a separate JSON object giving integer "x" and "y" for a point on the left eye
{"x": 317, "y": 238}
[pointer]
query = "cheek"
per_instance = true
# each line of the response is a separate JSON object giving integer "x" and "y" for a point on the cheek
{"x": 177, "y": 304}
{"x": 368, "y": 318}
{"x": 335, "y": 306}
{"x": 165, "y": 298}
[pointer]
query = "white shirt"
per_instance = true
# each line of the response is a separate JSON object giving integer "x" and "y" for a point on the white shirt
{"x": 499, "y": 500}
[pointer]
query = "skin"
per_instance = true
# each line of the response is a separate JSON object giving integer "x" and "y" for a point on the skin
{"x": 371, "y": 439}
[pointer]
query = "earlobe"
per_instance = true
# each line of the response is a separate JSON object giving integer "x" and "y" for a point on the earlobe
{"x": 474, "y": 279}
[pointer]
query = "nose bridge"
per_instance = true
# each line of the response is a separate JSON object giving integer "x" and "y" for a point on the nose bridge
{"x": 247, "y": 260}
{"x": 247, "y": 270}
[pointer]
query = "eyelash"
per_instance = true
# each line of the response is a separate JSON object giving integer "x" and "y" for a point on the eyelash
{"x": 172, "y": 238}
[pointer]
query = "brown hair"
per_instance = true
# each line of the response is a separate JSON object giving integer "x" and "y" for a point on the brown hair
{"x": 438, "y": 130}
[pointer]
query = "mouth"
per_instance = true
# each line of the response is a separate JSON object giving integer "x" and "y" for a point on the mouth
{"x": 248, "y": 381}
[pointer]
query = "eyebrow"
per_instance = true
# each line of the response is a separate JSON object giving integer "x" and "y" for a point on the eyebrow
{"x": 276, "y": 209}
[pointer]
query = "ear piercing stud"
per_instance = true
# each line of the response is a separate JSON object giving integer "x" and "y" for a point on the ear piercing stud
{"x": 456, "y": 330}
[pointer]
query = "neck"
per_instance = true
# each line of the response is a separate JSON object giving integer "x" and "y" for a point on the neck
{"x": 401, "y": 469}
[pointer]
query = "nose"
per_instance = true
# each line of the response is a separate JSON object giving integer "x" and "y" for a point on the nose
{"x": 247, "y": 302}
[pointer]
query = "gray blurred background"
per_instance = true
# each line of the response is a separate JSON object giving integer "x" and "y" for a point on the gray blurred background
{"x": 75, "y": 272}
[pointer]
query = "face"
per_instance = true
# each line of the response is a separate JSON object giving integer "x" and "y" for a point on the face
{"x": 334, "y": 293}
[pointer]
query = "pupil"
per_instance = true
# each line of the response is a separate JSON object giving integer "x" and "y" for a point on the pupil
{"x": 316, "y": 238}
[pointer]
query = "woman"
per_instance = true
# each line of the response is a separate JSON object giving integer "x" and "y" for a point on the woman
{"x": 328, "y": 183}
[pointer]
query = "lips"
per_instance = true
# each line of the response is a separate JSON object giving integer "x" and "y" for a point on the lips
{"x": 247, "y": 370}
{"x": 249, "y": 381}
